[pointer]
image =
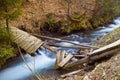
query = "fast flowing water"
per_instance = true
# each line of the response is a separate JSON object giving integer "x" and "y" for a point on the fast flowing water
{"x": 17, "y": 70}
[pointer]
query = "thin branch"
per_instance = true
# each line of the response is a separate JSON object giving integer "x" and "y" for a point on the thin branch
{"x": 27, "y": 64}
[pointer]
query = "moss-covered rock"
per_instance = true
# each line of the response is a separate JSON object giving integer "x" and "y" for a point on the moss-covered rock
{"x": 6, "y": 52}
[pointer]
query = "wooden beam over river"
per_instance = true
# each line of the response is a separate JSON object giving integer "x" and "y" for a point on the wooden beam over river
{"x": 26, "y": 41}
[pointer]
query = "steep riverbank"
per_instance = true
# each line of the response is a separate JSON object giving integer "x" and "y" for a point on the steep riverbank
{"x": 66, "y": 16}
{"x": 109, "y": 69}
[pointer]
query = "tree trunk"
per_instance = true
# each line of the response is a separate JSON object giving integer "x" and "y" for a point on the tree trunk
{"x": 68, "y": 10}
{"x": 7, "y": 29}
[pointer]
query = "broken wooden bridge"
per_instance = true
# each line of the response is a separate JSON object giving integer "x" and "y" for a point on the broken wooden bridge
{"x": 88, "y": 53}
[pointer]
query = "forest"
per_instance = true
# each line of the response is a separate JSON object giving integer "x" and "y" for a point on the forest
{"x": 31, "y": 31}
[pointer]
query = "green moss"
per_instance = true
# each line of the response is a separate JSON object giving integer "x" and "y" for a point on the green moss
{"x": 118, "y": 76}
{"x": 6, "y": 50}
{"x": 4, "y": 36}
{"x": 105, "y": 11}
{"x": 50, "y": 23}
{"x": 6, "y": 53}
{"x": 77, "y": 22}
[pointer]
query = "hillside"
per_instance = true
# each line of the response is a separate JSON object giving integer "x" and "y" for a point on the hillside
{"x": 66, "y": 16}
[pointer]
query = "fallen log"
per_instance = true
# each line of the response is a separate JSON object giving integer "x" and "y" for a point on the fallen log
{"x": 97, "y": 54}
{"x": 60, "y": 40}
{"x": 73, "y": 47}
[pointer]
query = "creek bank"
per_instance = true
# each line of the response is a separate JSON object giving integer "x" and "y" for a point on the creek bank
{"x": 110, "y": 69}
{"x": 55, "y": 16}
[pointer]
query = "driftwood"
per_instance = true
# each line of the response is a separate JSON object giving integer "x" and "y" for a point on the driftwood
{"x": 65, "y": 60}
{"x": 71, "y": 73}
{"x": 59, "y": 57}
{"x": 60, "y": 40}
{"x": 62, "y": 58}
{"x": 107, "y": 50}
{"x": 49, "y": 48}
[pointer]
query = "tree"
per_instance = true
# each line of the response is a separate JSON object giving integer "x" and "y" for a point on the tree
{"x": 68, "y": 7}
{"x": 10, "y": 10}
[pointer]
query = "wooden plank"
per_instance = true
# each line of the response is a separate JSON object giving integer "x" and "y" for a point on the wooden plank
{"x": 50, "y": 48}
{"x": 58, "y": 57}
{"x": 71, "y": 73}
{"x": 36, "y": 43}
{"x": 30, "y": 42}
{"x": 62, "y": 55}
{"x": 16, "y": 36}
{"x": 111, "y": 46}
{"x": 65, "y": 60}
{"x": 35, "y": 46}
{"x": 75, "y": 63}
{"x": 18, "y": 39}
{"x": 26, "y": 41}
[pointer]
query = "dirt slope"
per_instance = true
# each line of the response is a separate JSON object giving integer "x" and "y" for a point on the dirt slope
{"x": 36, "y": 11}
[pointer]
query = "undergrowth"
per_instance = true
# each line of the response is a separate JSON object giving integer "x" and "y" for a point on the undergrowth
{"x": 6, "y": 50}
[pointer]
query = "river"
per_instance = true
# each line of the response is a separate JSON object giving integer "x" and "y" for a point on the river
{"x": 17, "y": 70}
